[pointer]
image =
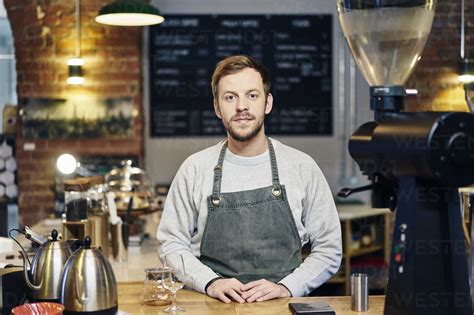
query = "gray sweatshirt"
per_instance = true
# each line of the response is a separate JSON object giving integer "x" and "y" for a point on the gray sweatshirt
{"x": 185, "y": 212}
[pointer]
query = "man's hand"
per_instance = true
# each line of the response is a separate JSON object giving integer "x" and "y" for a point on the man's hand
{"x": 263, "y": 290}
{"x": 222, "y": 289}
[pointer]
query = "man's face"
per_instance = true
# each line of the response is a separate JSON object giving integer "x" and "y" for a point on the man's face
{"x": 242, "y": 105}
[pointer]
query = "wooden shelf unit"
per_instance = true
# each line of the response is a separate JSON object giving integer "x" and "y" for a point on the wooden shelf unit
{"x": 347, "y": 214}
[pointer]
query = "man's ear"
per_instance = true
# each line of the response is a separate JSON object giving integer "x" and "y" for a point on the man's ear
{"x": 269, "y": 105}
{"x": 216, "y": 109}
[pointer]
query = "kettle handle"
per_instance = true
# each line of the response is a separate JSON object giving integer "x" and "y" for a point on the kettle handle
{"x": 26, "y": 261}
{"x": 18, "y": 243}
{"x": 26, "y": 275}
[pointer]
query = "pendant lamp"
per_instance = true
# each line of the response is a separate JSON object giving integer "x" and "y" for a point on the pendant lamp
{"x": 129, "y": 13}
{"x": 466, "y": 65}
{"x": 466, "y": 71}
{"x": 75, "y": 64}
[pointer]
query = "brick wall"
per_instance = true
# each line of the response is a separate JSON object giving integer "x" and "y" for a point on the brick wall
{"x": 45, "y": 37}
{"x": 436, "y": 75}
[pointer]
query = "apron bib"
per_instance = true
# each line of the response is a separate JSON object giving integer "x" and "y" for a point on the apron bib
{"x": 250, "y": 235}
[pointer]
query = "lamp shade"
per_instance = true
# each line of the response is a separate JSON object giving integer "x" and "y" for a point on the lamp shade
{"x": 75, "y": 71}
{"x": 129, "y": 13}
{"x": 466, "y": 71}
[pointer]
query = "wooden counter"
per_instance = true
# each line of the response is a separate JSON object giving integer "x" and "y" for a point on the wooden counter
{"x": 197, "y": 303}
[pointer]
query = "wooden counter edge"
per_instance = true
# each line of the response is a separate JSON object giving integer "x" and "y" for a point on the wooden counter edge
{"x": 197, "y": 303}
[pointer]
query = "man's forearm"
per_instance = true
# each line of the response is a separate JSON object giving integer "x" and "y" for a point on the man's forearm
{"x": 312, "y": 273}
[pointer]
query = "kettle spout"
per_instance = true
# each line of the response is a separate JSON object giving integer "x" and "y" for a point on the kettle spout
{"x": 25, "y": 273}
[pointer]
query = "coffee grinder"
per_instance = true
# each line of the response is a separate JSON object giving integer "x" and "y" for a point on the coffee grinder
{"x": 85, "y": 211}
{"x": 415, "y": 160}
{"x": 75, "y": 218}
{"x": 98, "y": 214}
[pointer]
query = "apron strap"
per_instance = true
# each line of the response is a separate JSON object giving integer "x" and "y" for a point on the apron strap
{"x": 216, "y": 188}
{"x": 273, "y": 161}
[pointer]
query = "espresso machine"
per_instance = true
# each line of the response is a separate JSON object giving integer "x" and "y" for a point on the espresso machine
{"x": 416, "y": 161}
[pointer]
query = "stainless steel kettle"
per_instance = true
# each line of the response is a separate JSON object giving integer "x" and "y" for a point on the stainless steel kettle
{"x": 46, "y": 268}
{"x": 88, "y": 283}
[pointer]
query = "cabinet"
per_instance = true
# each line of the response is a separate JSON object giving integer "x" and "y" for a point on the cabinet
{"x": 350, "y": 215}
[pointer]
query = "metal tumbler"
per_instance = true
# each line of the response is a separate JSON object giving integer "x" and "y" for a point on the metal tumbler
{"x": 359, "y": 292}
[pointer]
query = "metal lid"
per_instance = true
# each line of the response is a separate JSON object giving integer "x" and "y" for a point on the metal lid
{"x": 86, "y": 247}
{"x": 127, "y": 178}
{"x": 76, "y": 184}
{"x": 54, "y": 242}
{"x": 95, "y": 180}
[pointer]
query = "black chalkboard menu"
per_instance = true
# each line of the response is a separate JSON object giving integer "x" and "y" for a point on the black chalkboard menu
{"x": 297, "y": 49}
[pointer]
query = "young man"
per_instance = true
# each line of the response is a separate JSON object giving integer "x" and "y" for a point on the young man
{"x": 240, "y": 211}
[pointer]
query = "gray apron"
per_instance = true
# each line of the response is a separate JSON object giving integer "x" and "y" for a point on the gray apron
{"x": 250, "y": 235}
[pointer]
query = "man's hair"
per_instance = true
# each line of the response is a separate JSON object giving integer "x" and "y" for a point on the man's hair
{"x": 234, "y": 64}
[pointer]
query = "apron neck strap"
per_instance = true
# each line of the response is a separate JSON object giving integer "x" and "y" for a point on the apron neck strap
{"x": 273, "y": 162}
{"x": 216, "y": 188}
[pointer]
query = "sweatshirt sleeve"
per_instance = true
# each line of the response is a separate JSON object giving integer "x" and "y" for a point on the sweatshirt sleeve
{"x": 321, "y": 221}
{"x": 177, "y": 225}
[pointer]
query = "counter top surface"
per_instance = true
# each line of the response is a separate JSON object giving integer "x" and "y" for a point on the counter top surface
{"x": 197, "y": 303}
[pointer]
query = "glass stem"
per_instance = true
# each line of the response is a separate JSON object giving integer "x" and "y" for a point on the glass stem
{"x": 173, "y": 301}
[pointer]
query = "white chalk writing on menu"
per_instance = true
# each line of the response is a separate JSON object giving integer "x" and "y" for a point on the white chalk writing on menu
{"x": 297, "y": 49}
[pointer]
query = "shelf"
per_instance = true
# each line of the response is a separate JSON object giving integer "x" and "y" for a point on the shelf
{"x": 353, "y": 212}
{"x": 366, "y": 250}
{"x": 348, "y": 216}
{"x": 337, "y": 279}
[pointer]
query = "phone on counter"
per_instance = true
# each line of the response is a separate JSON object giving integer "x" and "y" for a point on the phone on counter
{"x": 312, "y": 308}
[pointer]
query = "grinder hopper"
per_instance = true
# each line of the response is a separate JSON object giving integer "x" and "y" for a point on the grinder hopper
{"x": 386, "y": 37}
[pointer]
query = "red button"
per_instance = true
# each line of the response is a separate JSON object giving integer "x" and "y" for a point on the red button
{"x": 398, "y": 257}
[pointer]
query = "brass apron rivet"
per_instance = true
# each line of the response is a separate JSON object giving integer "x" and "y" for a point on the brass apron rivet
{"x": 216, "y": 201}
{"x": 276, "y": 192}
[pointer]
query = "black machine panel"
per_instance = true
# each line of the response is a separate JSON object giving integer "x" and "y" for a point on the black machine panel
{"x": 417, "y": 162}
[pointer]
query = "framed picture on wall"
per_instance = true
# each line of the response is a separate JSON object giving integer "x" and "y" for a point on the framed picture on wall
{"x": 77, "y": 117}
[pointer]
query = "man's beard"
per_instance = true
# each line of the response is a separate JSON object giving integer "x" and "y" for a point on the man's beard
{"x": 242, "y": 137}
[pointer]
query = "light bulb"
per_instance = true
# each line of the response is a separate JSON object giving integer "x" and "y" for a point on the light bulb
{"x": 66, "y": 164}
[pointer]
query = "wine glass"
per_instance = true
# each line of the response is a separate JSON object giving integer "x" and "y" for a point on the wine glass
{"x": 175, "y": 265}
